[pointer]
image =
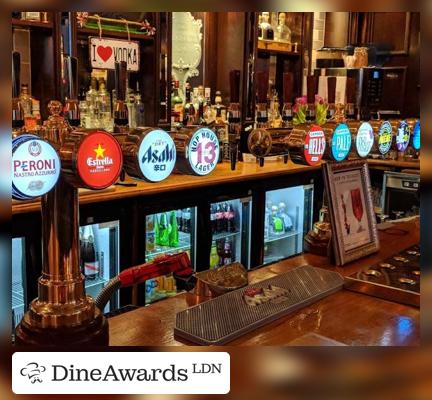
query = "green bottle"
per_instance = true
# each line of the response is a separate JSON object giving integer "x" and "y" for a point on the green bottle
{"x": 164, "y": 230}
{"x": 156, "y": 229}
{"x": 173, "y": 231}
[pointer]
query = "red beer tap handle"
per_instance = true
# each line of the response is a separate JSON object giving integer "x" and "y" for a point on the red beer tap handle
{"x": 178, "y": 264}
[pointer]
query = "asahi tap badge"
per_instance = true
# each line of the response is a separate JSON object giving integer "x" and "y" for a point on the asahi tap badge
{"x": 403, "y": 136}
{"x": 99, "y": 160}
{"x": 341, "y": 142}
{"x": 36, "y": 167}
{"x": 364, "y": 139}
{"x": 203, "y": 151}
{"x": 149, "y": 153}
{"x": 314, "y": 145}
{"x": 385, "y": 137}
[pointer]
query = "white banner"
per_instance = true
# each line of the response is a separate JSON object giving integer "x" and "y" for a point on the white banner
{"x": 121, "y": 373}
{"x": 105, "y": 52}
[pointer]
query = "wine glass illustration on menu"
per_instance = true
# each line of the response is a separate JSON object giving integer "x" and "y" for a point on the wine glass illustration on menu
{"x": 357, "y": 206}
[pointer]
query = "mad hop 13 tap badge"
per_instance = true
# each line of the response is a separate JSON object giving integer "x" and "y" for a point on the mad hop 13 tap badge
{"x": 203, "y": 151}
{"x": 36, "y": 167}
{"x": 157, "y": 155}
{"x": 99, "y": 160}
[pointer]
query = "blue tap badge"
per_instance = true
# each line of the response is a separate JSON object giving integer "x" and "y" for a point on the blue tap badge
{"x": 416, "y": 136}
{"x": 341, "y": 142}
{"x": 35, "y": 167}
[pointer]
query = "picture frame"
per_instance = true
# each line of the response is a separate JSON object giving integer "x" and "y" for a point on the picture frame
{"x": 352, "y": 217}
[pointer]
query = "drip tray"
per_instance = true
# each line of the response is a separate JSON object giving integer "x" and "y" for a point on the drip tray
{"x": 231, "y": 315}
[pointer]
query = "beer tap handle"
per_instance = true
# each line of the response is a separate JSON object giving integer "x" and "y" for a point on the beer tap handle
{"x": 261, "y": 161}
{"x": 120, "y": 80}
{"x": 331, "y": 89}
{"x": 16, "y": 67}
{"x": 262, "y": 78}
{"x": 288, "y": 83}
{"x": 312, "y": 88}
{"x": 234, "y": 86}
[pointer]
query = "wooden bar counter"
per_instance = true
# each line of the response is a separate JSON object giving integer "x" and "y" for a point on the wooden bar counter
{"x": 345, "y": 317}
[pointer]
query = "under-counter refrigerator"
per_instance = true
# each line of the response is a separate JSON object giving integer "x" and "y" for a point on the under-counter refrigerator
{"x": 287, "y": 219}
{"x": 168, "y": 232}
{"x": 230, "y": 224}
{"x": 100, "y": 258}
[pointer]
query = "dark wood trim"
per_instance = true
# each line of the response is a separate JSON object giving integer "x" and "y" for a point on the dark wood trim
{"x": 407, "y": 31}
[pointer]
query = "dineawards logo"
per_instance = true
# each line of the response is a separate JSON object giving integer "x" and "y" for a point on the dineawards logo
{"x": 121, "y": 373}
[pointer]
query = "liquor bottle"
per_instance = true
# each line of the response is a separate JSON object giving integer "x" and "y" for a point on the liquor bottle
{"x": 187, "y": 220}
{"x": 189, "y": 114}
{"x": 173, "y": 231}
{"x": 220, "y": 248}
{"x": 36, "y": 112}
{"x": 120, "y": 109}
{"x": 207, "y": 108}
{"x": 260, "y": 31}
{"x": 267, "y": 30}
{"x": 219, "y": 215}
{"x": 104, "y": 107}
{"x": 179, "y": 220}
{"x": 89, "y": 260}
{"x": 150, "y": 233}
{"x": 230, "y": 218}
{"x": 227, "y": 252}
{"x": 139, "y": 110}
{"x": 219, "y": 109}
{"x": 176, "y": 104}
{"x": 312, "y": 90}
{"x": 213, "y": 218}
{"x": 201, "y": 102}
{"x": 214, "y": 257}
{"x": 288, "y": 225}
{"x": 283, "y": 33}
{"x": 26, "y": 101}
{"x": 164, "y": 230}
{"x": 83, "y": 107}
{"x": 277, "y": 225}
{"x": 130, "y": 104}
{"x": 91, "y": 99}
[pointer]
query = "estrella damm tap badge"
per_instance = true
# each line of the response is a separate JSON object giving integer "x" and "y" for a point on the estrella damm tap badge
{"x": 35, "y": 167}
{"x": 403, "y": 136}
{"x": 203, "y": 151}
{"x": 157, "y": 155}
{"x": 341, "y": 142}
{"x": 314, "y": 145}
{"x": 99, "y": 160}
{"x": 364, "y": 139}
{"x": 385, "y": 137}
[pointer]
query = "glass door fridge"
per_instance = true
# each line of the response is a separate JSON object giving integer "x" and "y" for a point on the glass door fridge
{"x": 231, "y": 234}
{"x": 99, "y": 254}
{"x": 288, "y": 218}
{"x": 18, "y": 281}
{"x": 168, "y": 232}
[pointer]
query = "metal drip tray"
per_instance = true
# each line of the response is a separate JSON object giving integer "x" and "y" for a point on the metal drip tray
{"x": 227, "y": 317}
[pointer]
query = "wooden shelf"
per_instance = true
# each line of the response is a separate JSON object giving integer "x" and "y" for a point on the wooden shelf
{"x": 274, "y": 47}
{"x": 21, "y": 23}
{"x": 114, "y": 34}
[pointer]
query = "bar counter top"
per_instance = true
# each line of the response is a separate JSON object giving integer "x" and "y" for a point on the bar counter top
{"x": 346, "y": 317}
{"x": 221, "y": 175}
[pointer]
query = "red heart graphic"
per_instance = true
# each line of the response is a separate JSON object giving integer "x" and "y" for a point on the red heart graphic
{"x": 104, "y": 52}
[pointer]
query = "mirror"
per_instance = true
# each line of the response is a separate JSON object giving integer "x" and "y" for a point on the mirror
{"x": 186, "y": 46}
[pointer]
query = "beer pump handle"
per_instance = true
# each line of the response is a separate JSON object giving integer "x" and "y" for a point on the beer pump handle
{"x": 72, "y": 71}
{"x": 331, "y": 89}
{"x": 350, "y": 90}
{"x": 288, "y": 83}
{"x": 262, "y": 78}
{"x": 16, "y": 66}
{"x": 234, "y": 86}
{"x": 312, "y": 88}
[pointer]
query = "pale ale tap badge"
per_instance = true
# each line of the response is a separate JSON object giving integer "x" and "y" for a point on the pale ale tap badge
{"x": 149, "y": 153}
{"x": 403, "y": 136}
{"x": 341, "y": 142}
{"x": 364, "y": 139}
{"x": 36, "y": 167}
{"x": 99, "y": 160}
{"x": 385, "y": 137}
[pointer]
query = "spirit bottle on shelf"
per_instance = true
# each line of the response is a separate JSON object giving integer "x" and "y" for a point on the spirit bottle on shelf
{"x": 26, "y": 103}
{"x": 139, "y": 109}
{"x": 189, "y": 113}
{"x": 267, "y": 30}
{"x": 91, "y": 99}
{"x": 207, "y": 108}
{"x": 283, "y": 33}
{"x": 104, "y": 107}
{"x": 130, "y": 103}
{"x": 219, "y": 110}
{"x": 260, "y": 31}
{"x": 176, "y": 105}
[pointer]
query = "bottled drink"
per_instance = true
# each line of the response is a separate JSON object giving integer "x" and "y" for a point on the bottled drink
{"x": 277, "y": 226}
{"x": 288, "y": 225}
{"x": 186, "y": 220}
{"x": 26, "y": 104}
{"x": 89, "y": 260}
{"x": 179, "y": 220}
{"x": 156, "y": 228}
{"x": 163, "y": 238}
{"x": 213, "y": 217}
{"x": 173, "y": 231}
{"x": 208, "y": 116}
{"x": 130, "y": 103}
{"x": 176, "y": 104}
{"x": 219, "y": 109}
{"x": 219, "y": 216}
{"x": 214, "y": 257}
{"x": 201, "y": 102}
{"x": 230, "y": 218}
{"x": 227, "y": 259}
{"x": 189, "y": 113}
{"x": 104, "y": 106}
{"x": 91, "y": 100}
{"x": 220, "y": 249}
{"x": 150, "y": 233}
{"x": 139, "y": 111}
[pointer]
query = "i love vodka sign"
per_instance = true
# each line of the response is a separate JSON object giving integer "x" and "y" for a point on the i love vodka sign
{"x": 105, "y": 52}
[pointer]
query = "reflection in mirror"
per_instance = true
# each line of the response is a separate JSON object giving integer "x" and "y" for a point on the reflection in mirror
{"x": 186, "y": 47}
